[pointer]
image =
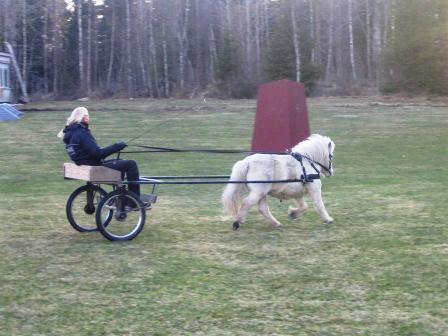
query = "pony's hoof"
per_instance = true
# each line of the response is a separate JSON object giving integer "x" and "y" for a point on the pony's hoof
{"x": 236, "y": 226}
{"x": 292, "y": 216}
{"x": 330, "y": 221}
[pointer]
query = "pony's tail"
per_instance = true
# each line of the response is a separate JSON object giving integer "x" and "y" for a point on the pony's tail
{"x": 233, "y": 192}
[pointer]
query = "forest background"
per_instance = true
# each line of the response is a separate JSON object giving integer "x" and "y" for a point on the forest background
{"x": 225, "y": 48}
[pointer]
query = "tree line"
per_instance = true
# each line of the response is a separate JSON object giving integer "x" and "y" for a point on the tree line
{"x": 225, "y": 48}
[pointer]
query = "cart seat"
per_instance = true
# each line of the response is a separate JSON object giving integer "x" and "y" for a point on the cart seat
{"x": 94, "y": 174}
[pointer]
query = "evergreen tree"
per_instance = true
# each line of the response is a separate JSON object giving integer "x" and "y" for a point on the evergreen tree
{"x": 228, "y": 65}
{"x": 417, "y": 59}
{"x": 229, "y": 75}
{"x": 281, "y": 58}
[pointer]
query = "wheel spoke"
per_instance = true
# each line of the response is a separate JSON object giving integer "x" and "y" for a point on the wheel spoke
{"x": 82, "y": 205}
{"x": 126, "y": 222}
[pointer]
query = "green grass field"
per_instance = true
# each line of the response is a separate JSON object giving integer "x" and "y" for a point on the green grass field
{"x": 380, "y": 269}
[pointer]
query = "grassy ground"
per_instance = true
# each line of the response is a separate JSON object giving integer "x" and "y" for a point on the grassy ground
{"x": 380, "y": 269}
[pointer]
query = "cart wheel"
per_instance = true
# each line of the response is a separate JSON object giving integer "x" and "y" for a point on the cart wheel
{"x": 81, "y": 207}
{"x": 128, "y": 217}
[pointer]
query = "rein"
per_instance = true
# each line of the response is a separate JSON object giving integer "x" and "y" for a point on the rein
{"x": 297, "y": 156}
{"x": 152, "y": 149}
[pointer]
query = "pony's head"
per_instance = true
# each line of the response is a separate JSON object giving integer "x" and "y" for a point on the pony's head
{"x": 320, "y": 148}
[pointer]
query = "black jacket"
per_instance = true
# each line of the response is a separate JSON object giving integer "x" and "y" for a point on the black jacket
{"x": 82, "y": 148}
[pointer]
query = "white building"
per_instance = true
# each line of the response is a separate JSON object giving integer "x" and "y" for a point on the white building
{"x": 5, "y": 83}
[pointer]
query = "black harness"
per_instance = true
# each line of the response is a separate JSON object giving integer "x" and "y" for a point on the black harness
{"x": 311, "y": 177}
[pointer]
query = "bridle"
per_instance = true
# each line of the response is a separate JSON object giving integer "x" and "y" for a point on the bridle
{"x": 330, "y": 164}
{"x": 327, "y": 169}
{"x": 312, "y": 162}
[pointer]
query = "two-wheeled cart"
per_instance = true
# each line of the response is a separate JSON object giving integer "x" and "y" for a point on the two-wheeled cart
{"x": 120, "y": 214}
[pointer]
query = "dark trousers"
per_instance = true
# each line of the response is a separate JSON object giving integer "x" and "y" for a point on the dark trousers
{"x": 128, "y": 169}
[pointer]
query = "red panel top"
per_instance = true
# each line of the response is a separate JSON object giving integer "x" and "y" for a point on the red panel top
{"x": 282, "y": 116}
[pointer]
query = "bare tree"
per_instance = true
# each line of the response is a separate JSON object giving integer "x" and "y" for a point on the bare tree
{"x": 377, "y": 39}
{"x": 24, "y": 42}
{"x": 89, "y": 47}
{"x": 57, "y": 43}
{"x": 248, "y": 55}
{"x": 258, "y": 38}
{"x": 80, "y": 45}
{"x": 212, "y": 52}
{"x": 329, "y": 67}
{"x": 112, "y": 47}
{"x": 183, "y": 42}
{"x": 128, "y": 49}
{"x": 266, "y": 21}
{"x": 228, "y": 14}
{"x": 296, "y": 42}
{"x": 165, "y": 62}
{"x": 312, "y": 31}
{"x": 141, "y": 43}
{"x": 351, "y": 40}
{"x": 198, "y": 59}
{"x": 368, "y": 40}
{"x": 45, "y": 47}
{"x": 153, "y": 49}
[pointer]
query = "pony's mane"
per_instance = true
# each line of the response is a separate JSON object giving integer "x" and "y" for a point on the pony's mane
{"x": 315, "y": 147}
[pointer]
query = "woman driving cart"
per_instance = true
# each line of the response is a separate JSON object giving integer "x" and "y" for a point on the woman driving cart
{"x": 82, "y": 149}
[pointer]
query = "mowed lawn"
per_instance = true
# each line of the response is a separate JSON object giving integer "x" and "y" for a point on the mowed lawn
{"x": 380, "y": 269}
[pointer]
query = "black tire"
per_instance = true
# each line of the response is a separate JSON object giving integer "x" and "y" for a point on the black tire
{"x": 126, "y": 222}
{"x": 80, "y": 214}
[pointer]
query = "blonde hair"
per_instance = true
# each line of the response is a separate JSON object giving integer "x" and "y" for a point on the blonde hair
{"x": 75, "y": 117}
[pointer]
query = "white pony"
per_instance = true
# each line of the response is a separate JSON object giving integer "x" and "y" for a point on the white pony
{"x": 307, "y": 160}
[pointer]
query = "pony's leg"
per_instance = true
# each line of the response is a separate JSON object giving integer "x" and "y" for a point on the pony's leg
{"x": 252, "y": 199}
{"x": 266, "y": 213}
{"x": 314, "y": 190}
{"x": 294, "y": 213}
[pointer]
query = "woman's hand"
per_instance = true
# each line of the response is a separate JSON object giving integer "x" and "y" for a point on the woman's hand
{"x": 122, "y": 145}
